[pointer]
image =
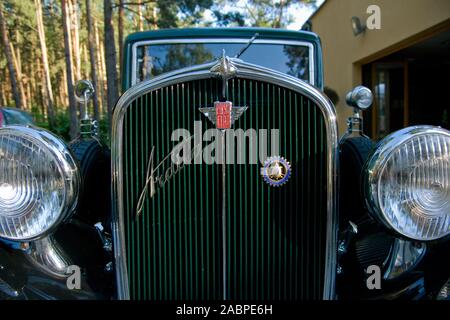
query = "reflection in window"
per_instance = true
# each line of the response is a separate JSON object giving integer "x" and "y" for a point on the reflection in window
{"x": 153, "y": 60}
{"x": 389, "y": 98}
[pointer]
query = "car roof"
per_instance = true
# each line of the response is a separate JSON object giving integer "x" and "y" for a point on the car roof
{"x": 266, "y": 33}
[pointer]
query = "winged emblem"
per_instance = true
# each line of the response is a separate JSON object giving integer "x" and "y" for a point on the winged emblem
{"x": 223, "y": 114}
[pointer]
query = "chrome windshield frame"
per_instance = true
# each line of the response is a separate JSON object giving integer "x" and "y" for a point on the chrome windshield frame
{"x": 134, "y": 47}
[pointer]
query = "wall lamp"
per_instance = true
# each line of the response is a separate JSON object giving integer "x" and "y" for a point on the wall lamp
{"x": 357, "y": 26}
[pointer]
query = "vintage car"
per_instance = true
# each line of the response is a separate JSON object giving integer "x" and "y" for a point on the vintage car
{"x": 10, "y": 116}
{"x": 226, "y": 180}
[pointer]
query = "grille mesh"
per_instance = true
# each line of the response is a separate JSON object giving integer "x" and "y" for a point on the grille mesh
{"x": 276, "y": 237}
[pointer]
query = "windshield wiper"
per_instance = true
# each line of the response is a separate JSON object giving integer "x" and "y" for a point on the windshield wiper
{"x": 249, "y": 43}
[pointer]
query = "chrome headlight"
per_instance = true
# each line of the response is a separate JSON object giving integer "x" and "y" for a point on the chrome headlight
{"x": 39, "y": 182}
{"x": 360, "y": 98}
{"x": 408, "y": 182}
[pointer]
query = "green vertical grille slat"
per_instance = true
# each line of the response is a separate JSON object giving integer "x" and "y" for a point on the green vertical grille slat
{"x": 273, "y": 123}
{"x": 296, "y": 203}
{"x": 276, "y": 237}
{"x": 254, "y": 204}
{"x": 133, "y": 165}
{"x": 201, "y": 220}
{"x": 186, "y": 106}
{"x": 263, "y": 201}
{"x": 168, "y": 242}
{"x": 164, "y": 193}
{"x": 302, "y": 193}
{"x": 148, "y": 279}
{"x": 174, "y": 284}
{"x": 180, "y": 287}
{"x": 139, "y": 223}
{"x": 155, "y": 221}
{"x": 195, "y": 233}
{"x": 292, "y": 274}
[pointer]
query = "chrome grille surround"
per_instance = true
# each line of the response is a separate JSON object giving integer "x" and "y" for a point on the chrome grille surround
{"x": 249, "y": 71}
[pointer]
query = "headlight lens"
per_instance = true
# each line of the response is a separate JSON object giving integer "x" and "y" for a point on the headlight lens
{"x": 408, "y": 182}
{"x": 39, "y": 182}
{"x": 360, "y": 97}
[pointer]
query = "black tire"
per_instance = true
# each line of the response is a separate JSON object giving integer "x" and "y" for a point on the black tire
{"x": 95, "y": 167}
{"x": 353, "y": 155}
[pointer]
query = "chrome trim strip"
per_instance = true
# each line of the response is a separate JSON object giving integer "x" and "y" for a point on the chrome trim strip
{"x": 47, "y": 255}
{"x": 312, "y": 72}
{"x": 404, "y": 257}
{"x": 202, "y": 72}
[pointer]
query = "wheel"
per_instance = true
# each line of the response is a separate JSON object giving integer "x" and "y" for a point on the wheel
{"x": 95, "y": 168}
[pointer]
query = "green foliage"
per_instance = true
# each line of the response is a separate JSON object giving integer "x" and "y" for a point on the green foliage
{"x": 182, "y": 56}
{"x": 229, "y": 18}
{"x": 256, "y": 13}
{"x": 104, "y": 135}
{"x": 21, "y": 22}
{"x": 62, "y": 123}
{"x": 180, "y": 13}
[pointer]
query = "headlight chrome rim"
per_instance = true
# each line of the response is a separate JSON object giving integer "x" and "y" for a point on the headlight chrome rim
{"x": 376, "y": 164}
{"x": 68, "y": 169}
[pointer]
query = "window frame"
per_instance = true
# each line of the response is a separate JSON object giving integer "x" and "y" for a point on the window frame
{"x": 312, "y": 72}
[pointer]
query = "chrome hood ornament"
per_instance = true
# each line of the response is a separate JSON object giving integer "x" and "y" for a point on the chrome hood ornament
{"x": 224, "y": 67}
{"x": 223, "y": 114}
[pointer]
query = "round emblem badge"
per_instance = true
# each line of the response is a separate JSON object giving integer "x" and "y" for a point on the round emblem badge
{"x": 276, "y": 171}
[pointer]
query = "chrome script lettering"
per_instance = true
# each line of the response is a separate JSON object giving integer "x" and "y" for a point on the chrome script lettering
{"x": 152, "y": 180}
{"x": 231, "y": 146}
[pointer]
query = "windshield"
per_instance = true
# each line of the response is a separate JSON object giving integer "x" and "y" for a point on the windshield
{"x": 155, "y": 59}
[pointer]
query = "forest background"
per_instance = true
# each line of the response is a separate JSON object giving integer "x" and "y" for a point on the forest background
{"x": 48, "y": 45}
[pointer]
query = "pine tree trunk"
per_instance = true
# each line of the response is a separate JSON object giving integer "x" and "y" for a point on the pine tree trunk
{"x": 76, "y": 56}
{"x": 43, "y": 94}
{"x": 33, "y": 79}
{"x": 70, "y": 38}
{"x": 64, "y": 87}
{"x": 9, "y": 59}
{"x": 110, "y": 57}
{"x": 17, "y": 64}
{"x": 279, "y": 20}
{"x": 44, "y": 57}
{"x": 92, "y": 49}
{"x": 120, "y": 26}
{"x": 2, "y": 88}
{"x": 70, "y": 89}
{"x": 141, "y": 19}
{"x": 39, "y": 89}
{"x": 101, "y": 69}
{"x": 28, "y": 90}
{"x": 155, "y": 18}
{"x": 18, "y": 55}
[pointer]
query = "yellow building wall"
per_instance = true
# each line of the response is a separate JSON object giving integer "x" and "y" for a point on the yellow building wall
{"x": 403, "y": 23}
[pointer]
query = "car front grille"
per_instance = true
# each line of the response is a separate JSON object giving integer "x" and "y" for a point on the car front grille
{"x": 275, "y": 238}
